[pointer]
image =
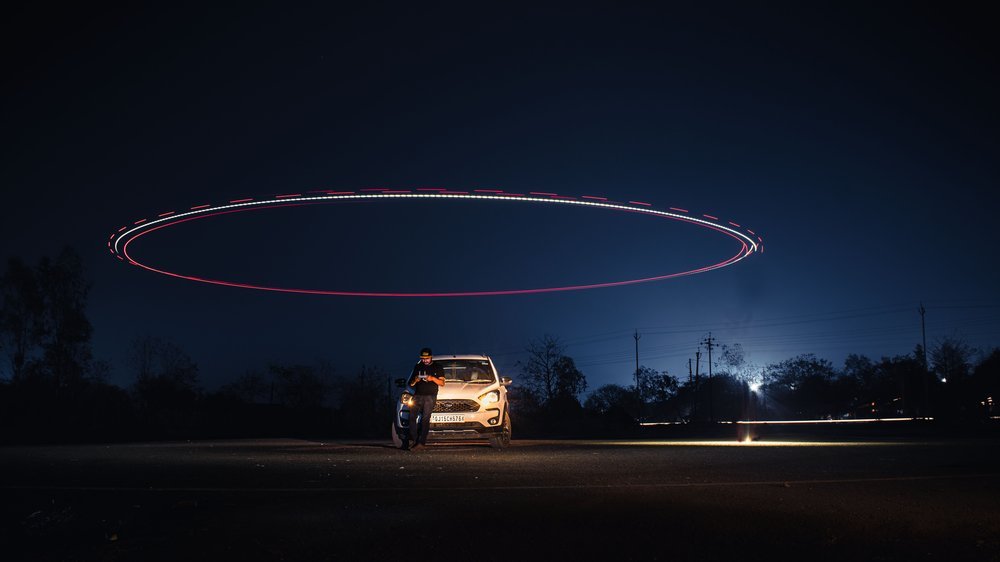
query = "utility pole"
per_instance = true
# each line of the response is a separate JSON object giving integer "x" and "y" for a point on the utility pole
{"x": 697, "y": 381}
{"x": 689, "y": 371}
{"x": 927, "y": 370}
{"x": 638, "y": 388}
{"x": 710, "y": 343}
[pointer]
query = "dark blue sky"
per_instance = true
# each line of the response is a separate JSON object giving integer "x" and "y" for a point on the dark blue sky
{"x": 860, "y": 141}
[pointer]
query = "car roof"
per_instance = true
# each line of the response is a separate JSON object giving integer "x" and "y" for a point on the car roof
{"x": 476, "y": 357}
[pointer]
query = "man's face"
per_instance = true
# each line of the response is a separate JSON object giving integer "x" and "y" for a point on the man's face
{"x": 426, "y": 360}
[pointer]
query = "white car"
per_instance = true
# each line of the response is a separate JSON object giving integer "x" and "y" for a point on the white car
{"x": 472, "y": 404}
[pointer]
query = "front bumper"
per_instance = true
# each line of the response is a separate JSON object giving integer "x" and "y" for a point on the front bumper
{"x": 473, "y": 425}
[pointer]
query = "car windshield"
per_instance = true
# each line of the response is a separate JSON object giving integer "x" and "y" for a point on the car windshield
{"x": 468, "y": 370}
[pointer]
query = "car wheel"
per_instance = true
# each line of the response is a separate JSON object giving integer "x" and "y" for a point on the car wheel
{"x": 502, "y": 440}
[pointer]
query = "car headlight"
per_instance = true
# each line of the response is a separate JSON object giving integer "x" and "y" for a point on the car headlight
{"x": 406, "y": 399}
{"x": 490, "y": 398}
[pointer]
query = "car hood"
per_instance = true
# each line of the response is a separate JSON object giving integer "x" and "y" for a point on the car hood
{"x": 464, "y": 390}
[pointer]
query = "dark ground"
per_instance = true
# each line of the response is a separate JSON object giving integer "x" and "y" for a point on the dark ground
{"x": 559, "y": 500}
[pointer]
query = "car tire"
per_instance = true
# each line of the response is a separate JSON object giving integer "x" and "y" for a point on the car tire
{"x": 502, "y": 440}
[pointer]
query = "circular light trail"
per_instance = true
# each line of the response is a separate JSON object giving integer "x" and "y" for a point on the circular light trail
{"x": 118, "y": 243}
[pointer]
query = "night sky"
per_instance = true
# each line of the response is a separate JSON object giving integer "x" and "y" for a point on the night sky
{"x": 860, "y": 142}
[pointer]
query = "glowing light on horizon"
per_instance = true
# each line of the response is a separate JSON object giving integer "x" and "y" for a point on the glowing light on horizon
{"x": 795, "y": 422}
{"x": 122, "y": 240}
{"x": 744, "y": 443}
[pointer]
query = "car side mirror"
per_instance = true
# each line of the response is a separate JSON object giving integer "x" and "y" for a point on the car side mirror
{"x": 400, "y": 383}
{"x": 505, "y": 381}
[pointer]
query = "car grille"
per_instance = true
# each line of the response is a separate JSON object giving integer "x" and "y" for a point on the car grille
{"x": 451, "y": 406}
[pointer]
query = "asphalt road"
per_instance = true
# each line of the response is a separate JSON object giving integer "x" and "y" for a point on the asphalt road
{"x": 556, "y": 500}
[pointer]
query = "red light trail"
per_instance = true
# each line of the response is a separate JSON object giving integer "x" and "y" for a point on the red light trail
{"x": 120, "y": 240}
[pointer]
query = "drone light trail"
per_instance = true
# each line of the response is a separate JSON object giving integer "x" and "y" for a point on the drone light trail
{"x": 748, "y": 244}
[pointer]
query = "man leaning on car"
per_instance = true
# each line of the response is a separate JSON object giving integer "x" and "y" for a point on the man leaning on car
{"x": 425, "y": 379}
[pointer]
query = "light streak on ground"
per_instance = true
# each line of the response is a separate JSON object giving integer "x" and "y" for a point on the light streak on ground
{"x": 122, "y": 240}
{"x": 813, "y": 422}
{"x": 734, "y": 443}
{"x": 795, "y": 422}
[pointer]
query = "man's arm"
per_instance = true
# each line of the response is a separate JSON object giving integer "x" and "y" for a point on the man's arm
{"x": 438, "y": 377}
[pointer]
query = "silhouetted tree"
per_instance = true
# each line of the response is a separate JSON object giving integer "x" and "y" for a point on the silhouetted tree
{"x": 610, "y": 397}
{"x": 367, "y": 404}
{"x": 733, "y": 360}
{"x": 863, "y": 378}
{"x": 299, "y": 386}
{"x": 657, "y": 387}
{"x": 250, "y": 388}
{"x": 165, "y": 376}
{"x": 21, "y": 315}
{"x": 951, "y": 360}
{"x": 686, "y": 403}
{"x": 802, "y": 384}
{"x": 166, "y": 387}
{"x": 659, "y": 394}
{"x": 985, "y": 384}
{"x": 57, "y": 390}
{"x": 43, "y": 322}
{"x": 538, "y": 371}
{"x": 569, "y": 381}
{"x": 66, "y": 350}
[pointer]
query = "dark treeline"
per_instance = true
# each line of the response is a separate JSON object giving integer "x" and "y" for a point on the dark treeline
{"x": 951, "y": 387}
{"x": 955, "y": 387}
{"x": 52, "y": 389}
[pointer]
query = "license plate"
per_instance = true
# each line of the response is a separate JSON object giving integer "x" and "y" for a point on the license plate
{"x": 447, "y": 418}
